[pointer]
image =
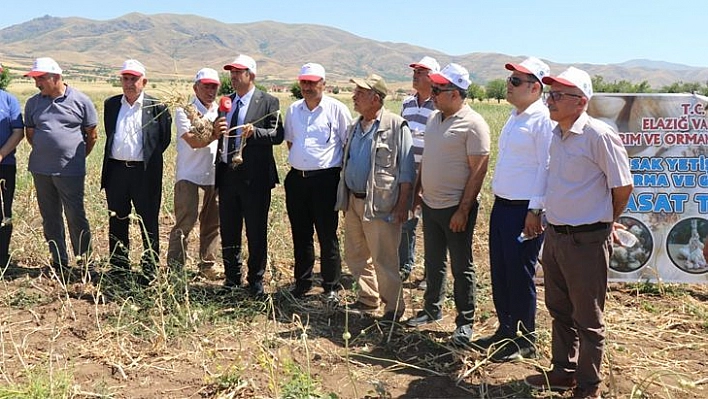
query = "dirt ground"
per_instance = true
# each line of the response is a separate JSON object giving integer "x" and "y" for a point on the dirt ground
{"x": 93, "y": 338}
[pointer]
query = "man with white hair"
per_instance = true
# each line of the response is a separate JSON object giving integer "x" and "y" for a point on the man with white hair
{"x": 589, "y": 184}
{"x": 195, "y": 172}
{"x": 416, "y": 109}
{"x": 138, "y": 130}
{"x": 246, "y": 173}
{"x": 452, "y": 171}
{"x": 58, "y": 161}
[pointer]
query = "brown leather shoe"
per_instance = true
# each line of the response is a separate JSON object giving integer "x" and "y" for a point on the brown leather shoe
{"x": 593, "y": 393}
{"x": 553, "y": 380}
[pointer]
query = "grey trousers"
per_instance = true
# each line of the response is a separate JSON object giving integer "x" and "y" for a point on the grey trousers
{"x": 56, "y": 196}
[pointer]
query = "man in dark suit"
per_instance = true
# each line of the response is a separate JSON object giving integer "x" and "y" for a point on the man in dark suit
{"x": 137, "y": 133}
{"x": 245, "y": 174}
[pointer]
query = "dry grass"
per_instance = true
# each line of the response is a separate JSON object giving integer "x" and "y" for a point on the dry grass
{"x": 89, "y": 337}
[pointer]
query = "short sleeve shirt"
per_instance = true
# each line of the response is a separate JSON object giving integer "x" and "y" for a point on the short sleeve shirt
{"x": 10, "y": 118}
{"x": 59, "y": 148}
{"x": 448, "y": 144}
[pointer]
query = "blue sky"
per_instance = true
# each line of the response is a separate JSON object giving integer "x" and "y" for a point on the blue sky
{"x": 596, "y": 32}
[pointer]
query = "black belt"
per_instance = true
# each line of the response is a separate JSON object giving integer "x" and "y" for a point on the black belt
{"x": 511, "y": 202}
{"x": 127, "y": 164}
{"x": 316, "y": 172}
{"x": 583, "y": 228}
{"x": 359, "y": 195}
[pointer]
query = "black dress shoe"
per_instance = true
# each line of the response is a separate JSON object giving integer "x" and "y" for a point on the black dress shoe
{"x": 392, "y": 316}
{"x": 299, "y": 292}
{"x": 422, "y": 318}
{"x": 461, "y": 336}
{"x": 485, "y": 342}
{"x": 256, "y": 291}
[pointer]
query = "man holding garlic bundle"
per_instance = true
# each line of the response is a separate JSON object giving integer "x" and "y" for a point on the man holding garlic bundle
{"x": 246, "y": 173}
{"x": 194, "y": 173}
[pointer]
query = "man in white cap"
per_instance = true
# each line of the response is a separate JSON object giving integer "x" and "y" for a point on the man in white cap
{"x": 589, "y": 184}
{"x": 12, "y": 131}
{"x": 315, "y": 131}
{"x": 452, "y": 171}
{"x": 416, "y": 109}
{"x": 518, "y": 184}
{"x": 61, "y": 137}
{"x": 244, "y": 182}
{"x": 195, "y": 171}
{"x": 374, "y": 192}
{"x": 138, "y": 131}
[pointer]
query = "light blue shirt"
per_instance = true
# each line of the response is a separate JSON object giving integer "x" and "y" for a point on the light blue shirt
{"x": 359, "y": 165}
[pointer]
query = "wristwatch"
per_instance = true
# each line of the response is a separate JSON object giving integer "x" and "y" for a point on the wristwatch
{"x": 535, "y": 212}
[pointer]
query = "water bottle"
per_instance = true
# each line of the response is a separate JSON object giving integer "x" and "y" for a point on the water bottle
{"x": 523, "y": 237}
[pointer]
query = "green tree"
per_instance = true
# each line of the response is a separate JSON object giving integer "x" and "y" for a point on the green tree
{"x": 4, "y": 78}
{"x": 225, "y": 88}
{"x": 295, "y": 90}
{"x": 496, "y": 89}
{"x": 475, "y": 91}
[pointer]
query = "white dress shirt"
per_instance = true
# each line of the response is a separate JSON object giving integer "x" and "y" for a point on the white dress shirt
{"x": 521, "y": 171}
{"x": 317, "y": 136}
{"x": 128, "y": 137}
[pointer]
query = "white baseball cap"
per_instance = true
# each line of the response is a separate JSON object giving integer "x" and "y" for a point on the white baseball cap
{"x": 452, "y": 73}
{"x": 133, "y": 67}
{"x": 312, "y": 72}
{"x": 44, "y": 65}
{"x": 532, "y": 66}
{"x": 573, "y": 77}
{"x": 242, "y": 62}
{"x": 426, "y": 62}
{"x": 207, "y": 75}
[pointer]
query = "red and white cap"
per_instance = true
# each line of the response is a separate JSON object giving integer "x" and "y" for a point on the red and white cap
{"x": 532, "y": 66}
{"x": 312, "y": 72}
{"x": 207, "y": 75}
{"x": 428, "y": 63}
{"x": 242, "y": 62}
{"x": 452, "y": 73}
{"x": 44, "y": 65}
{"x": 573, "y": 77}
{"x": 133, "y": 67}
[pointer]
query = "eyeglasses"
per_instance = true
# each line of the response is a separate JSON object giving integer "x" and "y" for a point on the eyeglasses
{"x": 438, "y": 90}
{"x": 558, "y": 95}
{"x": 517, "y": 81}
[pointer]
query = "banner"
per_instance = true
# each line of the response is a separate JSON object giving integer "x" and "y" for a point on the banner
{"x": 666, "y": 137}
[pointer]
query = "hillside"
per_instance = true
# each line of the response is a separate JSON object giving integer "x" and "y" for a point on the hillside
{"x": 172, "y": 45}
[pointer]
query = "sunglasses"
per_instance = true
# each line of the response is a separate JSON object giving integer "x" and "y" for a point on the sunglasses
{"x": 438, "y": 90}
{"x": 558, "y": 95}
{"x": 517, "y": 81}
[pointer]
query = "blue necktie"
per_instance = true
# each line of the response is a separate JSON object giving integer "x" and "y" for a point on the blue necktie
{"x": 231, "y": 147}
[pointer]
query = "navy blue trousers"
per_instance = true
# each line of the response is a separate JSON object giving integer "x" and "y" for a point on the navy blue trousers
{"x": 512, "y": 269}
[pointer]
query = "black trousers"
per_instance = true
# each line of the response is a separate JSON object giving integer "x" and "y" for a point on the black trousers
{"x": 129, "y": 184}
{"x": 310, "y": 198}
{"x": 7, "y": 194}
{"x": 242, "y": 200}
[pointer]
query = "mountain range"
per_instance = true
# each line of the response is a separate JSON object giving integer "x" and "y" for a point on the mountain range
{"x": 172, "y": 45}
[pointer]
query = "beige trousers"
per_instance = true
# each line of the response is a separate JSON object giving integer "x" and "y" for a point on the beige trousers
{"x": 371, "y": 252}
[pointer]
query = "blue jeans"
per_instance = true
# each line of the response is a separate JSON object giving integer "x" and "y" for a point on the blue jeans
{"x": 439, "y": 240}
{"x": 406, "y": 249}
